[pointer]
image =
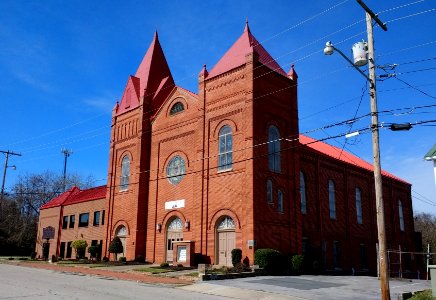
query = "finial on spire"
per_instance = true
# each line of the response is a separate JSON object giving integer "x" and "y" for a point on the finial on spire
{"x": 155, "y": 35}
{"x": 247, "y": 28}
{"x": 292, "y": 73}
{"x": 204, "y": 71}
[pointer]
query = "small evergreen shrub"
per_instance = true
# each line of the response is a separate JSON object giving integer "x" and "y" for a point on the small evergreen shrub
{"x": 122, "y": 259}
{"x": 179, "y": 266}
{"x": 164, "y": 265}
{"x": 93, "y": 250}
{"x": 297, "y": 263}
{"x": 236, "y": 256}
{"x": 270, "y": 260}
{"x": 105, "y": 259}
{"x": 116, "y": 246}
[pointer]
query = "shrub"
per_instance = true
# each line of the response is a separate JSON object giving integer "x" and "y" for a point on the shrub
{"x": 236, "y": 256}
{"x": 93, "y": 251}
{"x": 179, "y": 266}
{"x": 54, "y": 258}
{"x": 269, "y": 259}
{"x": 11, "y": 258}
{"x": 122, "y": 259}
{"x": 116, "y": 246}
{"x": 297, "y": 263}
{"x": 23, "y": 258}
{"x": 164, "y": 265}
{"x": 33, "y": 255}
{"x": 79, "y": 246}
{"x": 105, "y": 259}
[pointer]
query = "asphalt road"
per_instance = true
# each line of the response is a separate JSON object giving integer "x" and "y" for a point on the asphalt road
{"x": 18, "y": 282}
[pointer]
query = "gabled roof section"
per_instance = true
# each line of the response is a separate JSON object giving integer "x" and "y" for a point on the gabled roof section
{"x": 75, "y": 195}
{"x": 235, "y": 56}
{"x": 153, "y": 79}
{"x": 87, "y": 195}
{"x": 344, "y": 156}
{"x": 170, "y": 97}
{"x": 60, "y": 200}
{"x": 130, "y": 99}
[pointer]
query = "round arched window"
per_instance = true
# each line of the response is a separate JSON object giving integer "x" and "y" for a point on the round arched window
{"x": 176, "y": 169}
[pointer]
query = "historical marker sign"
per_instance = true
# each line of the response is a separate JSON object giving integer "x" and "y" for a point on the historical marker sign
{"x": 48, "y": 232}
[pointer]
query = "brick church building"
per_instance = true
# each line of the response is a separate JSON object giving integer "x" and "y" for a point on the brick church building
{"x": 226, "y": 168}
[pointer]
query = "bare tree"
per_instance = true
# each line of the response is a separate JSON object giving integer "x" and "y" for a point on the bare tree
{"x": 426, "y": 224}
{"x": 21, "y": 208}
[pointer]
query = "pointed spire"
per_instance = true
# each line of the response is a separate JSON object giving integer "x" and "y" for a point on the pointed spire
{"x": 247, "y": 28}
{"x": 203, "y": 72}
{"x": 292, "y": 73}
{"x": 155, "y": 35}
{"x": 235, "y": 56}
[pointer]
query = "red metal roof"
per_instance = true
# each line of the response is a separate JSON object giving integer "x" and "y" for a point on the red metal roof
{"x": 87, "y": 195}
{"x": 344, "y": 156}
{"x": 235, "y": 56}
{"x": 59, "y": 200}
{"x": 75, "y": 195}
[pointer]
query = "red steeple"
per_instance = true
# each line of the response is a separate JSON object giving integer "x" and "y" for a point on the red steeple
{"x": 235, "y": 56}
{"x": 153, "y": 81}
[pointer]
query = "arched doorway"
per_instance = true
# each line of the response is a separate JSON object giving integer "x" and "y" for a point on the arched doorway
{"x": 225, "y": 233}
{"x": 174, "y": 233}
{"x": 122, "y": 234}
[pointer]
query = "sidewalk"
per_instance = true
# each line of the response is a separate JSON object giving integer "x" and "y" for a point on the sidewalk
{"x": 118, "y": 272}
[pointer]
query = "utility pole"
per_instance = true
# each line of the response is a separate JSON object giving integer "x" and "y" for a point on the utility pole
{"x": 67, "y": 154}
{"x": 384, "y": 275}
{"x": 7, "y": 153}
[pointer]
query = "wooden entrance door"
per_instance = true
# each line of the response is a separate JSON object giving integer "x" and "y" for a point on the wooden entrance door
{"x": 226, "y": 243}
{"x": 174, "y": 234}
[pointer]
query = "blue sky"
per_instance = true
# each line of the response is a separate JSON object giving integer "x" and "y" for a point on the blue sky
{"x": 63, "y": 65}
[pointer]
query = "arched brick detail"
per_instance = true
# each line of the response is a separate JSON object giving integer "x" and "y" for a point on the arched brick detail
{"x": 180, "y": 99}
{"x": 221, "y": 213}
{"x": 224, "y": 122}
{"x": 168, "y": 216}
{"x": 118, "y": 224}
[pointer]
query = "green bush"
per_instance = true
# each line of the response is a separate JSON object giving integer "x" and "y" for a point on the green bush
{"x": 116, "y": 246}
{"x": 93, "y": 250}
{"x": 122, "y": 259}
{"x": 79, "y": 246}
{"x": 164, "y": 265}
{"x": 270, "y": 260}
{"x": 236, "y": 256}
{"x": 105, "y": 259}
{"x": 297, "y": 263}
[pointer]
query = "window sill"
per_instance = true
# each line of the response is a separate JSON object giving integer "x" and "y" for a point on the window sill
{"x": 226, "y": 170}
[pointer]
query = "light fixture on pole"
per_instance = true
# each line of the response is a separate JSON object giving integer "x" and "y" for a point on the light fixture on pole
{"x": 365, "y": 53}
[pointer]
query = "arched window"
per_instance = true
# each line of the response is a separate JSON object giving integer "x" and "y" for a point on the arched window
{"x": 359, "y": 206}
{"x": 401, "y": 215}
{"x": 279, "y": 201}
{"x": 332, "y": 200}
{"x": 125, "y": 173}
{"x": 225, "y": 149}
{"x": 226, "y": 223}
{"x": 176, "y": 108}
{"x": 303, "y": 193}
{"x": 269, "y": 191}
{"x": 274, "y": 149}
{"x": 176, "y": 224}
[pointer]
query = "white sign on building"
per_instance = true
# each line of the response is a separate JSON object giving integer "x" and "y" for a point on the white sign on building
{"x": 175, "y": 204}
